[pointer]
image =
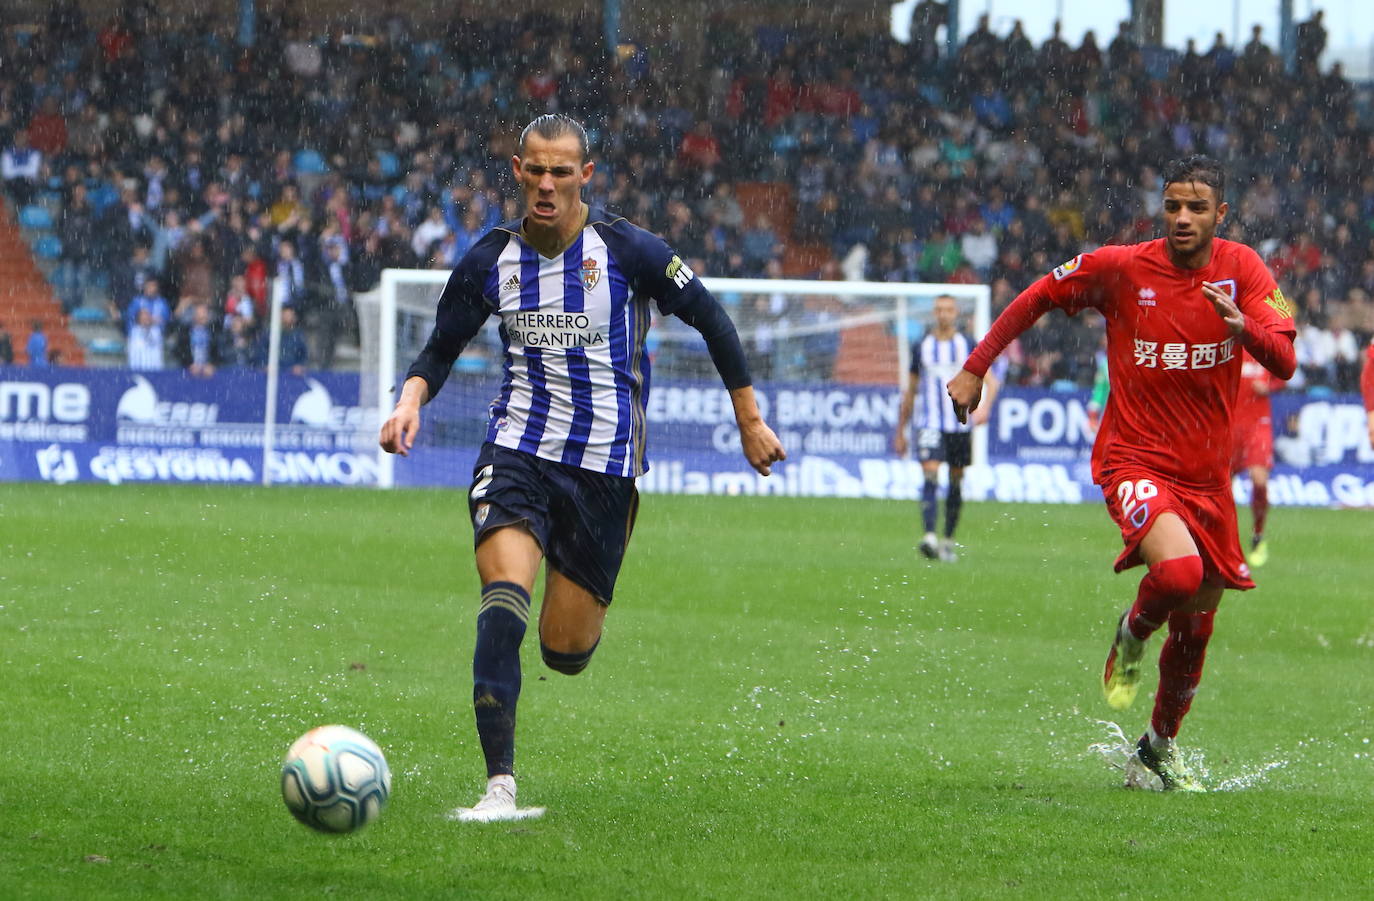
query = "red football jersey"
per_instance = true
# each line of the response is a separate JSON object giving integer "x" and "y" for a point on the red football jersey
{"x": 1367, "y": 378}
{"x": 1257, "y": 384}
{"x": 1173, "y": 363}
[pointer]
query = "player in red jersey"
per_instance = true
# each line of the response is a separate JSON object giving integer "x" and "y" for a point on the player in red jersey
{"x": 1367, "y": 388}
{"x": 1179, "y": 310}
{"x": 1253, "y": 446}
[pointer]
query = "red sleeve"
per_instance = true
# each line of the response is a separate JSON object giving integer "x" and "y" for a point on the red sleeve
{"x": 1072, "y": 287}
{"x": 1269, "y": 329}
{"x": 1081, "y": 282}
{"x": 1019, "y": 315}
{"x": 1367, "y": 379}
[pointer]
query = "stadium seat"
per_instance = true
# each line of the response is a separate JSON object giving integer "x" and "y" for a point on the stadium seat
{"x": 391, "y": 166}
{"x": 102, "y": 197}
{"x": 112, "y": 346}
{"x": 48, "y": 247}
{"x": 310, "y": 162}
{"x": 35, "y": 217}
{"x": 89, "y": 314}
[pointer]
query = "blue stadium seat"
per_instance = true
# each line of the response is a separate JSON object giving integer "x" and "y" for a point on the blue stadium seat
{"x": 391, "y": 167}
{"x": 48, "y": 247}
{"x": 310, "y": 162}
{"x": 102, "y": 197}
{"x": 35, "y": 217}
{"x": 89, "y": 314}
{"x": 112, "y": 346}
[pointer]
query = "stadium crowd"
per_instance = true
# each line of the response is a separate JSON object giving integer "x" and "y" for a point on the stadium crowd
{"x": 190, "y": 175}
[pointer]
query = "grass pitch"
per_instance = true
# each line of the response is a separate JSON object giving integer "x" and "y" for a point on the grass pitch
{"x": 788, "y": 702}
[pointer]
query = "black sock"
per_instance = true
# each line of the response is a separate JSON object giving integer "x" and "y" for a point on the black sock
{"x": 954, "y": 502}
{"x": 501, "y": 624}
{"x": 929, "y": 503}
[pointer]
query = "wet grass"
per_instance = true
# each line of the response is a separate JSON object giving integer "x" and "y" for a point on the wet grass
{"x": 787, "y": 701}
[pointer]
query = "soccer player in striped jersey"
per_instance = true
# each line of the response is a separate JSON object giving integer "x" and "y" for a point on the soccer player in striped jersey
{"x": 1178, "y": 311}
{"x": 555, "y": 480}
{"x": 941, "y": 437}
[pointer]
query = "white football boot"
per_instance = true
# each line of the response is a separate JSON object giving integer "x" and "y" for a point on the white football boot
{"x": 497, "y": 805}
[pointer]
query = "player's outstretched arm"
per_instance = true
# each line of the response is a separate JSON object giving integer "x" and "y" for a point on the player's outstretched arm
{"x": 901, "y": 441}
{"x": 761, "y": 447}
{"x": 966, "y": 389}
{"x": 401, "y": 427}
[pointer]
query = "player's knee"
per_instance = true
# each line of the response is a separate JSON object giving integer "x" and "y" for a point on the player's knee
{"x": 567, "y": 663}
{"x": 1180, "y": 577}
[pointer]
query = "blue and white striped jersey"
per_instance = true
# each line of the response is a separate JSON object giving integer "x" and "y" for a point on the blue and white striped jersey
{"x": 576, "y": 376}
{"x": 935, "y": 362}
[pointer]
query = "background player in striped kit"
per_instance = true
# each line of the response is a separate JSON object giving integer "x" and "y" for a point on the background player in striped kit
{"x": 566, "y": 435}
{"x": 940, "y": 436}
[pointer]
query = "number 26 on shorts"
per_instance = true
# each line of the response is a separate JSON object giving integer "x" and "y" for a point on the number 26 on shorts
{"x": 1132, "y": 496}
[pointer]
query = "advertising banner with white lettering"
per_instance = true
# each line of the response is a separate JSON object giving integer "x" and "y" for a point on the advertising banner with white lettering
{"x": 117, "y": 426}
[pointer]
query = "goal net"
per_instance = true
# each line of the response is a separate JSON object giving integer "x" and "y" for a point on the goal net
{"x": 828, "y": 359}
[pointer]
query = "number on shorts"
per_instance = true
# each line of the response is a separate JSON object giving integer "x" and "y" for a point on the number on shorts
{"x": 483, "y": 482}
{"x": 1131, "y": 493}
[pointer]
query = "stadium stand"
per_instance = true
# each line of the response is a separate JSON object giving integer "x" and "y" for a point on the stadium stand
{"x": 992, "y": 165}
{"x": 26, "y": 299}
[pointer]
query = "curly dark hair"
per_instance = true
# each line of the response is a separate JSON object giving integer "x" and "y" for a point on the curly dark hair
{"x": 1197, "y": 168}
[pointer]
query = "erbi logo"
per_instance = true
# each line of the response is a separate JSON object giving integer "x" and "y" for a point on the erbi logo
{"x": 140, "y": 404}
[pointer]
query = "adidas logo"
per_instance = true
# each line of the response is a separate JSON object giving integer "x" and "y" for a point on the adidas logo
{"x": 511, "y": 283}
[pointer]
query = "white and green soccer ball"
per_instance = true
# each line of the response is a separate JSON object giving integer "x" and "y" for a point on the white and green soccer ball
{"x": 335, "y": 779}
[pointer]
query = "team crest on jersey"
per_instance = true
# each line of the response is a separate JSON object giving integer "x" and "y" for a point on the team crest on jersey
{"x": 1068, "y": 269}
{"x": 591, "y": 273}
{"x": 1227, "y": 286}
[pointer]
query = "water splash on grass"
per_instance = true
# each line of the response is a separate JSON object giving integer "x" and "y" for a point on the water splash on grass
{"x": 1118, "y": 752}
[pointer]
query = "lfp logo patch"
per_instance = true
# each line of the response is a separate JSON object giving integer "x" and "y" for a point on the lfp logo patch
{"x": 1068, "y": 269}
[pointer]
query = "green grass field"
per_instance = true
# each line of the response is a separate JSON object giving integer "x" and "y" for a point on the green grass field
{"x": 787, "y": 703}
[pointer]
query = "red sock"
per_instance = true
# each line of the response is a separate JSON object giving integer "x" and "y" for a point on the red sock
{"x": 1259, "y": 507}
{"x": 1180, "y": 669}
{"x": 1167, "y": 584}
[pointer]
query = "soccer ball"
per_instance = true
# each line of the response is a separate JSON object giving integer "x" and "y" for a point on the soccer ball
{"x": 335, "y": 779}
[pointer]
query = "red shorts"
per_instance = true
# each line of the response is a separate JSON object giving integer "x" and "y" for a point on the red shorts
{"x": 1135, "y": 498}
{"x": 1253, "y": 446}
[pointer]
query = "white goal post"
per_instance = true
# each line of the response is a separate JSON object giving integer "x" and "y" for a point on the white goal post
{"x": 787, "y": 316}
